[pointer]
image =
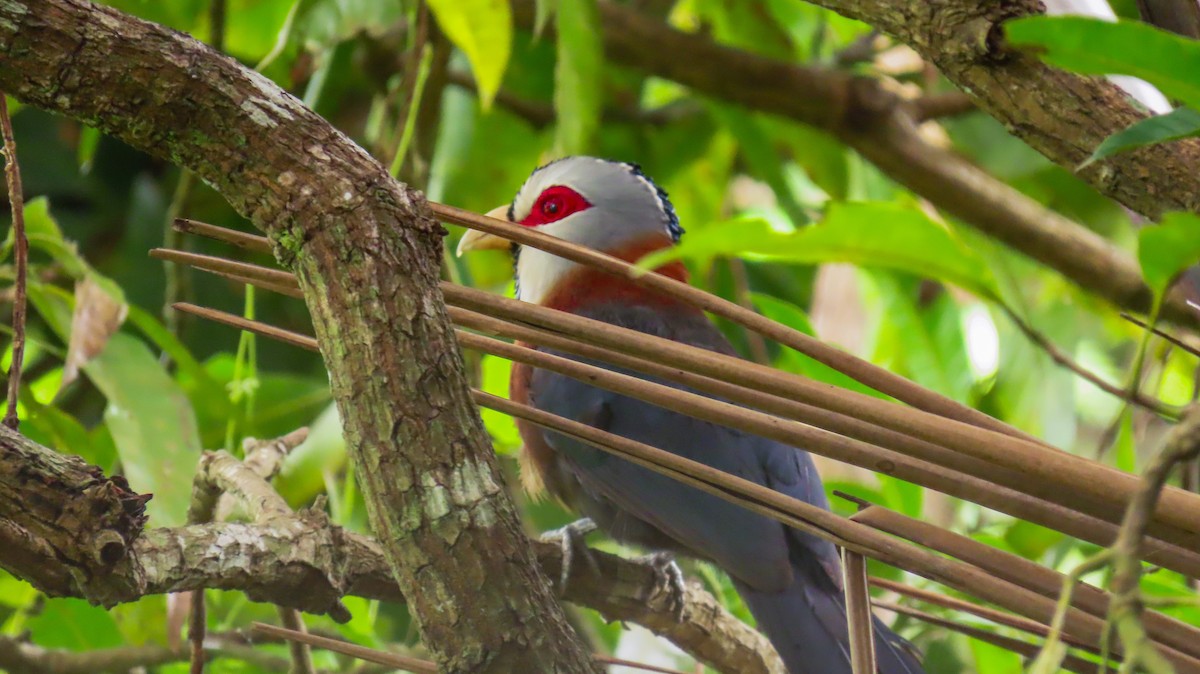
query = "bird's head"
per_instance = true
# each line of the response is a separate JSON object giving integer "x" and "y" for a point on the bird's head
{"x": 605, "y": 205}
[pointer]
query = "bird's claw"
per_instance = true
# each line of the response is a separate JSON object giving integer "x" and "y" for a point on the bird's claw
{"x": 670, "y": 576}
{"x": 571, "y": 539}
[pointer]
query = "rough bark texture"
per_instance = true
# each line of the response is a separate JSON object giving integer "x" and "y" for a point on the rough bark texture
{"x": 62, "y": 522}
{"x": 298, "y": 561}
{"x": 367, "y": 254}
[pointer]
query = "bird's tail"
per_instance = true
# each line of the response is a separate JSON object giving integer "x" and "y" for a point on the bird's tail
{"x": 807, "y": 625}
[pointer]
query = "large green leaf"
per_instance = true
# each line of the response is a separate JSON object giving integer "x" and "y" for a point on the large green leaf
{"x": 757, "y": 147}
{"x": 577, "y": 75}
{"x": 1167, "y": 249}
{"x": 483, "y": 30}
{"x": 1180, "y": 123}
{"x": 149, "y": 416}
{"x": 871, "y": 234}
{"x": 1095, "y": 47}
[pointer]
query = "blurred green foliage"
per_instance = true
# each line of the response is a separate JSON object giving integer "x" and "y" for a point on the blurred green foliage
{"x": 769, "y": 206}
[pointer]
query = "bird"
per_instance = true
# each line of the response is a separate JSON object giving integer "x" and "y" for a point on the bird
{"x": 790, "y": 580}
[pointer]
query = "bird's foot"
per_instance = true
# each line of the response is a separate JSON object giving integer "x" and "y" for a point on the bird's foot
{"x": 571, "y": 539}
{"x": 670, "y": 576}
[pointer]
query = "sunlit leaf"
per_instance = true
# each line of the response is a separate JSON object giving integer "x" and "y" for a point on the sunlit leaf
{"x": 577, "y": 75}
{"x": 1096, "y": 47}
{"x": 1167, "y": 249}
{"x": 871, "y": 234}
{"x": 1179, "y": 123}
{"x": 323, "y": 452}
{"x": 495, "y": 373}
{"x": 483, "y": 30}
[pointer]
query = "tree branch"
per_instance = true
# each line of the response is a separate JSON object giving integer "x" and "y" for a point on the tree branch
{"x": 1062, "y": 115}
{"x": 882, "y": 127}
{"x": 301, "y": 561}
{"x": 367, "y": 254}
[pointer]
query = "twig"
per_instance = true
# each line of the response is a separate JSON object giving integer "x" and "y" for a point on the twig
{"x": 862, "y": 49}
{"x": 1182, "y": 444}
{"x": 16, "y": 198}
{"x": 1130, "y": 394}
{"x": 858, "y": 612}
{"x": 302, "y": 662}
{"x": 1161, "y": 333}
{"x": 197, "y": 626}
{"x": 177, "y": 287}
{"x": 216, "y": 24}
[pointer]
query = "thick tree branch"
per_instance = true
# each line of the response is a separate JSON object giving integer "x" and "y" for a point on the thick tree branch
{"x": 367, "y": 254}
{"x": 301, "y": 561}
{"x": 1062, "y": 115}
{"x": 882, "y": 127}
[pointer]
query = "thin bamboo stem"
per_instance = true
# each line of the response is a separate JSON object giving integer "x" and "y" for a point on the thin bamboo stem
{"x": 905, "y": 462}
{"x": 1070, "y": 663}
{"x": 858, "y": 612}
{"x": 1020, "y": 571}
{"x": 943, "y": 472}
{"x": 870, "y": 374}
{"x": 792, "y": 512}
{"x": 1049, "y": 474}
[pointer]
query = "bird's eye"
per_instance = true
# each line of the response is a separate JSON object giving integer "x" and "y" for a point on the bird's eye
{"x": 553, "y": 204}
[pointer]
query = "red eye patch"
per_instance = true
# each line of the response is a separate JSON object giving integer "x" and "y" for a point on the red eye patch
{"x": 554, "y": 204}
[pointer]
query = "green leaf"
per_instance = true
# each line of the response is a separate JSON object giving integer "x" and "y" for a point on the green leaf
{"x": 871, "y": 234}
{"x": 76, "y": 625}
{"x": 494, "y": 378}
{"x": 1179, "y": 123}
{"x": 1030, "y": 540}
{"x": 483, "y": 30}
{"x": 1167, "y": 249}
{"x": 577, "y": 75}
{"x": 1126, "y": 448}
{"x": 1095, "y": 47}
{"x": 150, "y": 418}
{"x": 796, "y": 362}
{"x": 758, "y": 149}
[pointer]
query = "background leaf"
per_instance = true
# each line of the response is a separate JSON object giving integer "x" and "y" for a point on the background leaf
{"x": 1167, "y": 249}
{"x": 577, "y": 75}
{"x": 1179, "y": 123}
{"x": 882, "y": 235}
{"x": 482, "y": 29}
